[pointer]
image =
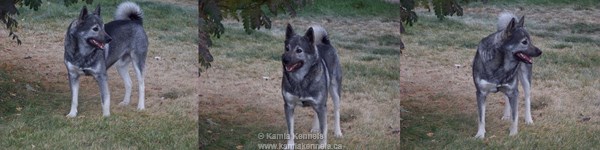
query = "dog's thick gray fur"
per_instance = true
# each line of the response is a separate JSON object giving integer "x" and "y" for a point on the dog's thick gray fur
{"x": 502, "y": 59}
{"x": 311, "y": 70}
{"x": 91, "y": 47}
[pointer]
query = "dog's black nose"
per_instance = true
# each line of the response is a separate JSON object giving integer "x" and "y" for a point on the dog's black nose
{"x": 538, "y": 51}
{"x": 107, "y": 39}
{"x": 284, "y": 59}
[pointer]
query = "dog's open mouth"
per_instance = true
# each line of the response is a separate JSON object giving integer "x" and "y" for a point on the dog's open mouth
{"x": 293, "y": 67}
{"x": 524, "y": 57}
{"x": 96, "y": 43}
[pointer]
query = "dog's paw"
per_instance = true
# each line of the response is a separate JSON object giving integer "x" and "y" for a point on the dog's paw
{"x": 337, "y": 135}
{"x": 505, "y": 117}
{"x": 512, "y": 133}
{"x": 123, "y": 103}
{"x": 141, "y": 108}
{"x": 315, "y": 130}
{"x": 480, "y": 135}
{"x": 529, "y": 122}
{"x": 72, "y": 115}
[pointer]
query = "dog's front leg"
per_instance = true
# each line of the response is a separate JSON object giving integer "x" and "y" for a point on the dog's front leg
{"x": 525, "y": 79}
{"x": 506, "y": 115}
{"x": 322, "y": 114}
{"x": 316, "y": 127}
{"x": 289, "y": 117}
{"x": 102, "y": 80}
{"x": 74, "y": 84}
{"x": 481, "y": 96}
{"x": 513, "y": 96}
{"x": 527, "y": 91}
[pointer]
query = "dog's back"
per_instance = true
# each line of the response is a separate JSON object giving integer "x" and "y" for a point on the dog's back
{"x": 328, "y": 54}
{"x": 128, "y": 31}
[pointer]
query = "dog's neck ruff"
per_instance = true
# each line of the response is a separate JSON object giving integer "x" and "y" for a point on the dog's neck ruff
{"x": 308, "y": 84}
{"x": 505, "y": 76}
{"x": 300, "y": 75}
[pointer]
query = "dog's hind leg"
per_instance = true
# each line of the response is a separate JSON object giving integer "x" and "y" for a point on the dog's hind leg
{"x": 74, "y": 83}
{"x": 335, "y": 95}
{"x": 122, "y": 68}
{"x": 138, "y": 65}
{"x": 481, "y": 96}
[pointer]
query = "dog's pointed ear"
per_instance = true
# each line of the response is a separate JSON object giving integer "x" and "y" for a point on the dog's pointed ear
{"x": 310, "y": 34}
{"x": 83, "y": 13}
{"x": 509, "y": 28}
{"x": 521, "y": 22}
{"x": 289, "y": 32}
{"x": 97, "y": 11}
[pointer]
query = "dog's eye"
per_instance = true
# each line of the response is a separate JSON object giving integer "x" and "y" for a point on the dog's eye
{"x": 298, "y": 50}
{"x": 95, "y": 29}
{"x": 524, "y": 42}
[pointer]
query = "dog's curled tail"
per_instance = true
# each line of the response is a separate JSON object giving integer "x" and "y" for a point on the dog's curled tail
{"x": 503, "y": 20}
{"x": 320, "y": 35}
{"x": 129, "y": 11}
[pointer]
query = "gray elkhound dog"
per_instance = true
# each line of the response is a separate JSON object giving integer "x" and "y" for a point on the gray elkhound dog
{"x": 311, "y": 69}
{"x": 501, "y": 58}
{"x": 91, "y": 47}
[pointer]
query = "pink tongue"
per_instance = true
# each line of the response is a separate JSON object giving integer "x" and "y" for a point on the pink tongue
{"x": 525, "y": 57}
{"x": 100, "y": 45}
{"x": 292, "y": 67}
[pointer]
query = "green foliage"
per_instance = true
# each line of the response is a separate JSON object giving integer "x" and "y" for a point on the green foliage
{"x": 441, "y": 8}
{"x": 33, "y": 4}
{"x": 446, "y": 8}
{"x": 351, "y": 8}
{"x": 406, "y": 12}
{"x": 253, "y": 14}
{"x": 70, "y": 2}
{"x": 8, "y": 10}
{"x": 250, "y": 12}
